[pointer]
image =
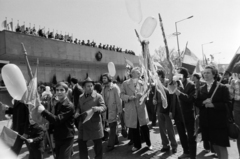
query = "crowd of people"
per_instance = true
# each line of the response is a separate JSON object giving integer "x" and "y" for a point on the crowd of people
{"x": 68, "y": 38}
{"x": 191, "y": 108}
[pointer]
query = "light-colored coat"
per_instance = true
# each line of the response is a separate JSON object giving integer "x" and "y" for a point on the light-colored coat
{"x": 92, "y": 129}
{"x": 133, "y": 110}
{"x": 111, "y": 96}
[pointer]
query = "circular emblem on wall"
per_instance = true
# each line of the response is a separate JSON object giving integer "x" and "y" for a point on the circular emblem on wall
{"x": 98, "y": 56}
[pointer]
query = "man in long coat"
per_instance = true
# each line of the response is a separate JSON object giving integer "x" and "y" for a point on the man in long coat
{"x": 93, "y": 128}
{"x": 111, "y": 96}
{"x": 135, "y": 113}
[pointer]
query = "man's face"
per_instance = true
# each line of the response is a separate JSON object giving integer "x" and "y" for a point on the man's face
{"x": 88, "y": 87}
{"x": 194, "y": 79}
{"x": 61, "y": 92}
{"x": 105, "y": 80}
{"x": 136, "y": 74}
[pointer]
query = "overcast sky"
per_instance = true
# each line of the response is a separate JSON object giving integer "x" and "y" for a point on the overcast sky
{"x": 108, "y": 22}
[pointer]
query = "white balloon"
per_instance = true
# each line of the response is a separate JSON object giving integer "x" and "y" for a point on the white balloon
{"x": 134, "y": 10}
{"x": 148, "y": 27}
{"x": 111, "y": 69}
{"x": 14, "y": 81}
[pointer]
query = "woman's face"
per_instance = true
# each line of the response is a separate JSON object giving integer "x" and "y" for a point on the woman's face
{"x": 61, "y": 92}
{"x": 208, "y": 75}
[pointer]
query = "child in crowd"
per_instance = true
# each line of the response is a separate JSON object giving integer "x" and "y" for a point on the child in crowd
{"x": 34, "y": 135}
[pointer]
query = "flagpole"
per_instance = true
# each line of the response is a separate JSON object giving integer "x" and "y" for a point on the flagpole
{"x": 21, "y": 136}
{"x": 28, "y": 65}
{"x": 166, "y": 47}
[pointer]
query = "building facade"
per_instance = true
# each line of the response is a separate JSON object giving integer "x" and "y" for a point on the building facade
{"x": 60, "y": 58}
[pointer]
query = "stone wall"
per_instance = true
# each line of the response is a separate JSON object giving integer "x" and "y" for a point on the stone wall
{"x": 59, "y": 58}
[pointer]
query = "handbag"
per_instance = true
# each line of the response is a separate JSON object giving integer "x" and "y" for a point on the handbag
{"x": 233, "y": 129}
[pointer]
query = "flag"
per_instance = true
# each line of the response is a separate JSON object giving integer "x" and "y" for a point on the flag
{"x": 4, "y": 24}
{"x": 199, "y": 67}
{"x": 8, "y": 136}
{"x": 190, "y": 60}
{"x": 5, "y": 152}
{"x": 159, "y": 87}
{"x": 31, "y": 98}
{"x": 87, "y": 115}
{"x": 234, "y": 61}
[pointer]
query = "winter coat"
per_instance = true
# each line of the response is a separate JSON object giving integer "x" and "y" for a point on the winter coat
{"x": 111, "y": 96}
{"x": 93, "y": 128}
{"x": 134, "y": 111}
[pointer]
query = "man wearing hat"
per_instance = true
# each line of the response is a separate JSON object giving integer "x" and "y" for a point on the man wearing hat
{"x": 111, "y": 96}
{"x": 93, "y": 128}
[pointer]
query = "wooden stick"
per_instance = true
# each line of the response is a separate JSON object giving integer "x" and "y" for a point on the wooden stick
{"x": 28, "y": 64}
{"x": 167, "y": 50}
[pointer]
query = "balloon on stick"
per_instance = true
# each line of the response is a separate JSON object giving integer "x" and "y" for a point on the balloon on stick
{"x": 148, "y": 27}
{"x": 111, "y": 69}
{"x": 134, "y": 10}
{"x": 14, "y": 81}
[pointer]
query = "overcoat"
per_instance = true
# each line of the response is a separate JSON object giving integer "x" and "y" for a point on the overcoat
{"x": 111, "y": 96}
{"x": 213, "y": 117}
{"x": 134, "y": 111}
{"x": 93, "y": 128}
{"x": 184, "y": 104}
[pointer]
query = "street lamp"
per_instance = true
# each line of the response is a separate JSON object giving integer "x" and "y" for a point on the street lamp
{"x": 178, "y": 33}
{"x": 202, "y": 48}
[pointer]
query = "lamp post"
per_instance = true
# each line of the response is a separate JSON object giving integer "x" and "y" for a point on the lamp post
{"x": 203, "y": 51}
{"x": 178, "y": 34}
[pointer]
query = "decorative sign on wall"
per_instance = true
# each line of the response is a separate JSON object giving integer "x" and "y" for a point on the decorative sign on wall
{"x": 98, "y": 56}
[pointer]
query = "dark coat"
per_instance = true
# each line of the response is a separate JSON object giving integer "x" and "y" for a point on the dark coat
{"x": 213, "y": 117}
{"x": 62, "y": 119}
{"x": 36, "y": 133}
{"x": 92, "y": 129}
{"x": 185, "y": 99}
{"x": 19, "y": 111}
{"x": 77, "y": 91}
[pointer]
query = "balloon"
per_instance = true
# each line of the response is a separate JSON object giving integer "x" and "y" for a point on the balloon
{"x": 134, "y": 10}
{"x": 148, "y": 27}
{"x": 111, "y": 69}
{"x": 14, "y": 81}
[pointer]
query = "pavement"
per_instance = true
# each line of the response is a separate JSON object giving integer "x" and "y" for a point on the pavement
{"x": 123, "y": 150}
